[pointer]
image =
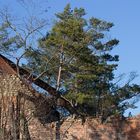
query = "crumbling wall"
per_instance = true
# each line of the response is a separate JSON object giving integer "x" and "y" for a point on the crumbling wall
{"x": 22, "y": 111}
{"x": 116, "y": 129}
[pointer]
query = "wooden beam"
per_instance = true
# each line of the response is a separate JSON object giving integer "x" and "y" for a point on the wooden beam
{"x": 51, "y": 90}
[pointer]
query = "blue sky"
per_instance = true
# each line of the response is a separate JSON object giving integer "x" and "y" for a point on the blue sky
{"x": 123, "y": 13}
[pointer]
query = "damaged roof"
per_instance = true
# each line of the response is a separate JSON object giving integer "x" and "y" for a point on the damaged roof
{"x": 8, "y": 67}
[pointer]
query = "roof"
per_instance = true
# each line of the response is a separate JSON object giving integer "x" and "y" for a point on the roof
{"x": 4, "y": 67}
{"x": 7, "y": 66}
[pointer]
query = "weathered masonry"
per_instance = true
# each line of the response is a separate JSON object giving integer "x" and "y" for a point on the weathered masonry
{"x": 24, "y": 113}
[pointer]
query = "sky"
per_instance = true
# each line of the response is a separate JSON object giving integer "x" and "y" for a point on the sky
{"x": 123, "y": 13}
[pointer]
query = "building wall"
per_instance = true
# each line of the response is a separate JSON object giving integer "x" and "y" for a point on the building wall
{"x": 22, "y": 111}
{"x": 23, "y": 115}
{"x": 128, "y": 129}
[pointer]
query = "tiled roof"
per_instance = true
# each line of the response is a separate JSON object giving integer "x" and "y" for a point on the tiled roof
{"x": 5, "y": 68}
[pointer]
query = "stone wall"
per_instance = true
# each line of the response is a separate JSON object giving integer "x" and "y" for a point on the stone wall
{"x": 72, "y": 129}
{"x": 24, "y": 115}
{"x": 116, "y": 129}
{"x": 23, "y": 111}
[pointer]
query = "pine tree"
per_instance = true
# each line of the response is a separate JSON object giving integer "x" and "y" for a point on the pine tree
{"x": 79, "y": 46}
{"x": 6, "y": 42}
